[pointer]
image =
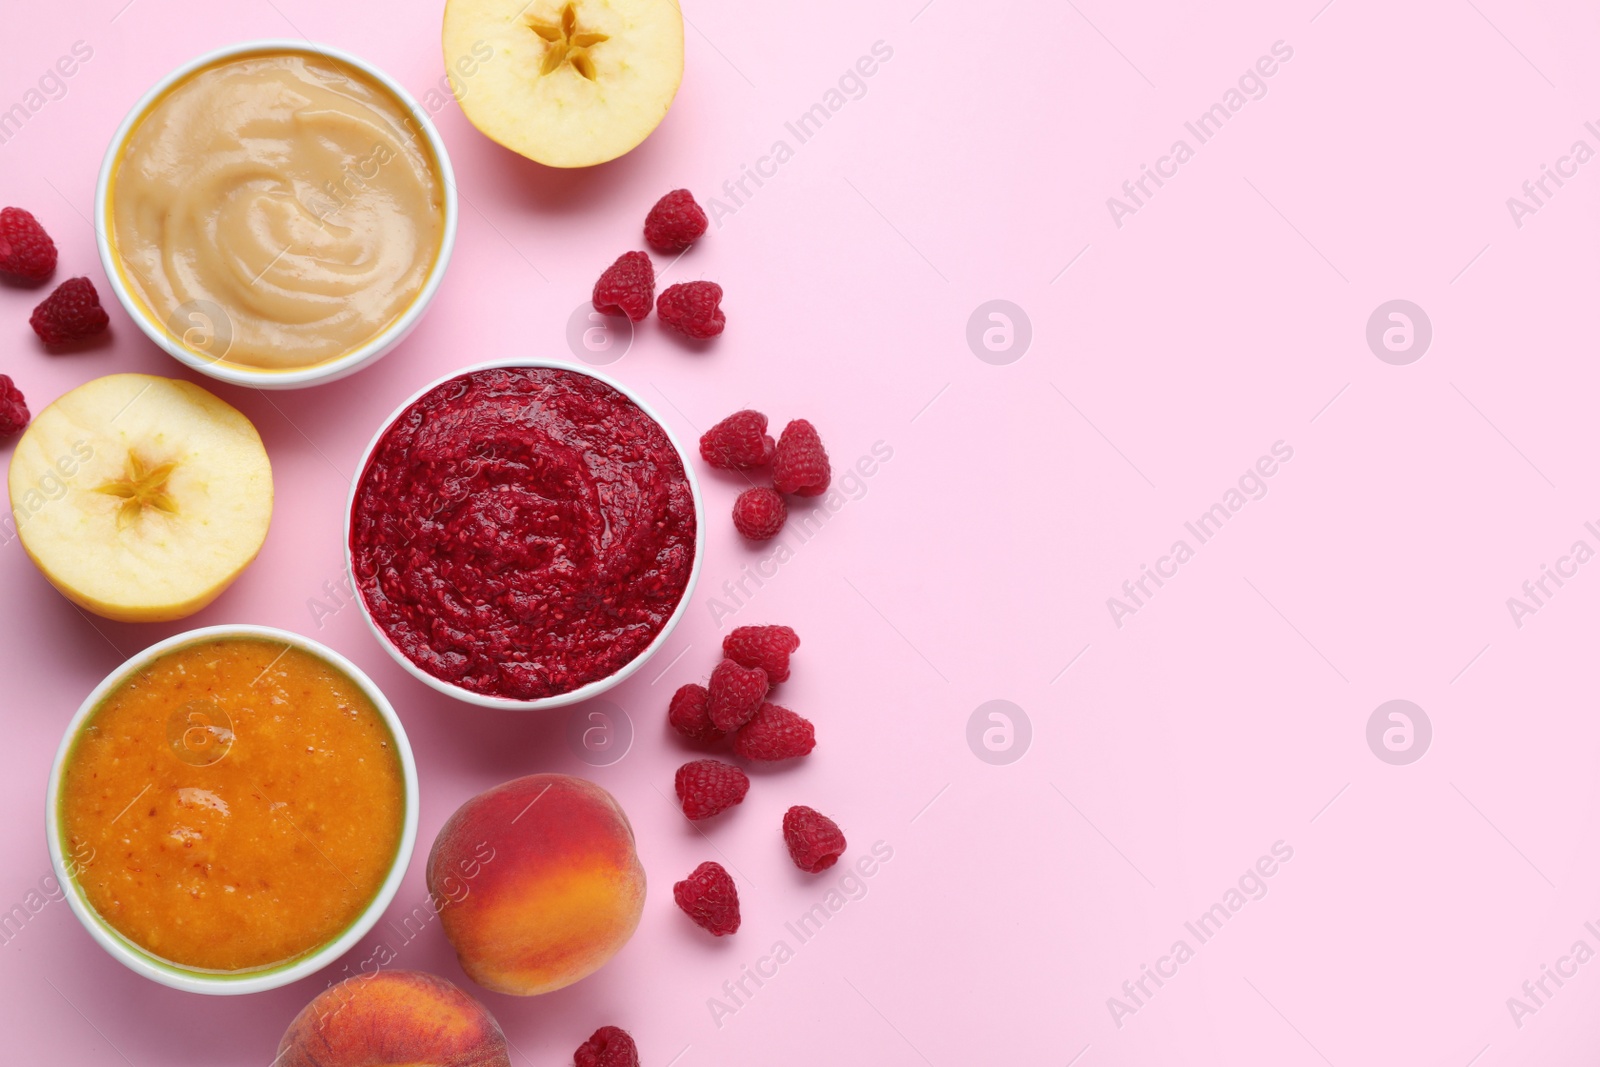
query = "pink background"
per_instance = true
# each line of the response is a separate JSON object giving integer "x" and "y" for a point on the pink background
{"x": 1228, "y": 313}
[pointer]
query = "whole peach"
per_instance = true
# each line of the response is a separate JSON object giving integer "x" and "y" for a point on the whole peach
{"x": 390, "y": 1018}
{"x": 537, "y": 883}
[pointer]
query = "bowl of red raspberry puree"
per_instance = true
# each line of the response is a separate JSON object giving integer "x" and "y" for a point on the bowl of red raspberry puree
{"x": 524, "y": 534}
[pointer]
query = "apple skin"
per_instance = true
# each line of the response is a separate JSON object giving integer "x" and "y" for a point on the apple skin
{"x": 537, "y": 882}
{"x": 393, "y": 1019}
{"x": 126, "y": 613}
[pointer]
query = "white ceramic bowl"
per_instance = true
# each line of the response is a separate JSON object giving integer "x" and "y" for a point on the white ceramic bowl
{"x": 237, "y": 374}
{"x": 142, "y": 962}
{"x": 590, "y": 689}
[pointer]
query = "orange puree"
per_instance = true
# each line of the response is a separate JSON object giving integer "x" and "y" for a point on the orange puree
{"x": 242, "y": 801}
{"x": 283, "y": 205}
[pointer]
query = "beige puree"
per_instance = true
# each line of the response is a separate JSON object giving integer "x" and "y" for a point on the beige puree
{"x": 286, "y": 190}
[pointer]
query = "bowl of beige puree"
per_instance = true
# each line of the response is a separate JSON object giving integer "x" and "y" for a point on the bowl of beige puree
{"x": 276, "y": 214}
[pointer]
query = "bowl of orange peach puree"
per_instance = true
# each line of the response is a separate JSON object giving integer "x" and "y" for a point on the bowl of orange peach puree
{"x": 276, "y": 214}
{"x": 232, "y": 809}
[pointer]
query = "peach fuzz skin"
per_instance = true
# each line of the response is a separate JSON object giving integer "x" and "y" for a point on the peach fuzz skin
{"x": 561, "y": 896}
{"x": 393, "y": 1019}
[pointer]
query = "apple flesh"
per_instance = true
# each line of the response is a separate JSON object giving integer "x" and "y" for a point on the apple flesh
{"x": 141, "y": 498}
{"x": 567, "y": 83}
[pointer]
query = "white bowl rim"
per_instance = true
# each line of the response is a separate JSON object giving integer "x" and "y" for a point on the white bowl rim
{"x": 175, "y": 975}
{"x": 588, "y": 690}
{"x": 320, "y": 373}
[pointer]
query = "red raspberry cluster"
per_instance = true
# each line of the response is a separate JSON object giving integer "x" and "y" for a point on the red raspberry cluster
{"x": 28, "y": 257}
{"x": 628, "y": 286}
{"x": 733, "y": 704}
{"x": 71, "y": 313}
{"x": 732, "y": 709}
{"x": 799, "y": 467}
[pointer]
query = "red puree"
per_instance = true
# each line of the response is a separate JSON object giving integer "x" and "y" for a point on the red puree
{"x": 521, "y": 532}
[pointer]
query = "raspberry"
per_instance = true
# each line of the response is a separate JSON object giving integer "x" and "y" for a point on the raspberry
{"x": 735, "y": 694}
{"x": 13, "y": 409}
{"x": 687, "y": 715}
{"x": 801, "y": 464}
{"x": 767, "y": 647}
{"x": 815, "y": 841}
{"x": 26, "y": 252}
{"x": 707, "y": 787}
{"x": 675, "y": 222}
{"x": 692, "y": 308}
{"x": 760, "y": 513}
{"x": 610, "y": 1046}
{"x": 775, "y": 734}
{"x": 738, "y": 443}
{"x": 709, "y": 897}
{"x": 71, "y": 313}
{"x": 628, "y": 286}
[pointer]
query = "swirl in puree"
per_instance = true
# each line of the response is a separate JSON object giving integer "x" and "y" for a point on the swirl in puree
{"x": 289, "y": 193}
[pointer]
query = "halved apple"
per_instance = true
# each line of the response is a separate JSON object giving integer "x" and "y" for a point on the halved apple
{"x": 568, "y": 83}
{"x": 141, "y": 498}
